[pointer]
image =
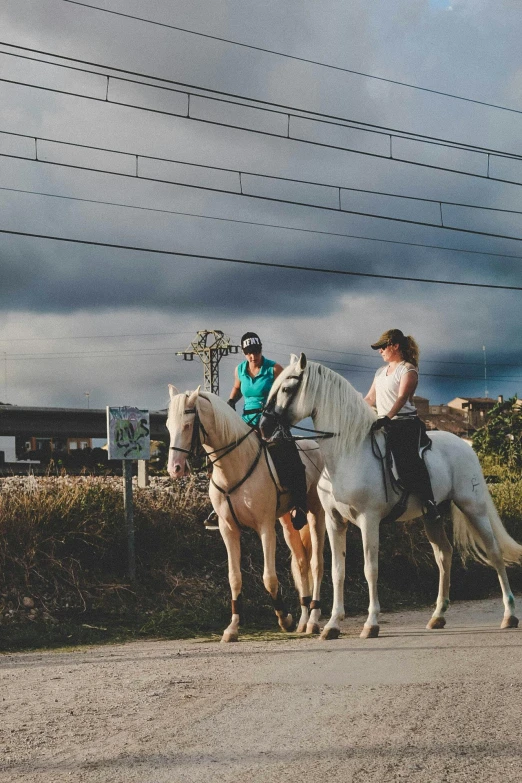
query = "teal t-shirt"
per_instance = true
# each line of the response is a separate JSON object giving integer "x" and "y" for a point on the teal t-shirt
{"x": 255, "y": 390}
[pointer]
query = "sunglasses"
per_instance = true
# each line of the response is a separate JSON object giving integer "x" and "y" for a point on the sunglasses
{"x": 252, "y": 349}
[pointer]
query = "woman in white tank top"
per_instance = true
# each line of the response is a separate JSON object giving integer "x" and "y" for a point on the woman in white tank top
{"x": 394, "y": 384}
{"x": 392, "y": 393}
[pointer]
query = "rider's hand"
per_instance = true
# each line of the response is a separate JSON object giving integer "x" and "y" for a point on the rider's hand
{"x": 383, "y": 422}
{"x": 232, "y": 403}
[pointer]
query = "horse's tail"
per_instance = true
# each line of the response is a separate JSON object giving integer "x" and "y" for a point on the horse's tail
{"x": 469, "y": 542}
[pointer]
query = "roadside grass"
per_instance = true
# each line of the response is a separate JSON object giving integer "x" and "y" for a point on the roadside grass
{"x": 63, "y": 566}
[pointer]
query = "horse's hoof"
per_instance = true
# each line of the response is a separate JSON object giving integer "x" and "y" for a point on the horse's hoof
{"x": 330, "y": 633}
{"x": 287, "y": 624}
{"x": 370, "y": 632}
{"x": 230, "y": 636}
{"x": 436, "y": 623}
{"x": 313, "y": 629}
{"x": 302, "y": 628}
{"x": 509, "y": 622}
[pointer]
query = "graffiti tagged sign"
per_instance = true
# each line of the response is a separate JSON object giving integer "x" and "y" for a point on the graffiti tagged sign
{"x": 128, "y": 433}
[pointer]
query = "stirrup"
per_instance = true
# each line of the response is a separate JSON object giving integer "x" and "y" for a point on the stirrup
{"x": 211, "y": 522}
{"x": 398, "y": 509}
{"x": 432, "y": 512}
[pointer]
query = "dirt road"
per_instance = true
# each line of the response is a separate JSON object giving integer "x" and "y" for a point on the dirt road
{"x": 412, "y": 705}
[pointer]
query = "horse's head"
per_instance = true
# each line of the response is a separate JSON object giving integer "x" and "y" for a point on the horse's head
{"x": 183, "y": 429}
{"x": 283, "y": 406}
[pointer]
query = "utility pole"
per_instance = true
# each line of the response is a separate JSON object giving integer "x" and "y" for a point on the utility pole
{"x": 485, "y": 373}
{"x": 210, "y": 346}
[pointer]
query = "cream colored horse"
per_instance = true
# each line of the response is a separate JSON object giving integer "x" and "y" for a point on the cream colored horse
{"x": 249, "y": 496}
{"x": 351, "y": 489}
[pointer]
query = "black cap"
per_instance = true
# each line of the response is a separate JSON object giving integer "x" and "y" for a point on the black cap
{"x": 251, "y": 341}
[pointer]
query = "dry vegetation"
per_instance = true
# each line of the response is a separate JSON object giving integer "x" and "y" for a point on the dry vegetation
{"x": 63, "y": 559}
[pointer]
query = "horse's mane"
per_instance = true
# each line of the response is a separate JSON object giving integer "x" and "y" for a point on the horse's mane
{"x": 228, "y": 424}
{"x": 337, "y": 407}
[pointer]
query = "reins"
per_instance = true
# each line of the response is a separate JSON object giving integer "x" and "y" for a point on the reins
{"x": 222, "y": 452}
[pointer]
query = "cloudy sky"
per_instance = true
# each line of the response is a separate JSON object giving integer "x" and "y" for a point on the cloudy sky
{"x": 77, "y": 319}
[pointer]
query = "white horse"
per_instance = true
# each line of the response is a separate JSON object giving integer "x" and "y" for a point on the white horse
{"x": 244, "y": 491}
{"x": 352, "y": 489}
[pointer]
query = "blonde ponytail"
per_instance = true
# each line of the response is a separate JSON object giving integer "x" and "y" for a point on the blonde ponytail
{"x": 410, "y": 351}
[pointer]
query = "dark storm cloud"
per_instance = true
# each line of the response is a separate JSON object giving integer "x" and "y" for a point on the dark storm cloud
{"x": 455, "y": 50}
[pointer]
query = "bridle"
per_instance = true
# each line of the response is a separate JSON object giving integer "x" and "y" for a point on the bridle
{"x": 198, "y": 430}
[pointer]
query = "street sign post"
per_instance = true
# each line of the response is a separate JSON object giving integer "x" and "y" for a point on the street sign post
{"x": 128, "y": 438}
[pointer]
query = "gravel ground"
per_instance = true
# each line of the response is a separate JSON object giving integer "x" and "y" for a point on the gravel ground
{"x": 412, "y": 705}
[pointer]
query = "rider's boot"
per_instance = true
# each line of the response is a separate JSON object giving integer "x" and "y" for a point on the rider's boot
{"x": 299, "y": 519}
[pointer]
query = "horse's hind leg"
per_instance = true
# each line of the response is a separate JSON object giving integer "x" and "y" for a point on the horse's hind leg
{"x": 268, "y": 542}
{"x": 300, "y": 568}
{"x": 482, "y": 525}
{"x": 443, "y": 551}
{"x": 231, "y": 537}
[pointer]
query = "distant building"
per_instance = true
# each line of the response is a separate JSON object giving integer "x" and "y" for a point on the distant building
{"x": 473, "y": 409}
{"x": 422, "y": 404}
{"x": 39, "y": 448}
{"x": 452, "y": 417}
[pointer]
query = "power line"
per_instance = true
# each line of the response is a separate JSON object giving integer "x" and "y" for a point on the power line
{"x": 273, "y": 265}
{"x": 162, "y": 350}
{"x": 93, "y": 337}
{"x": 388, "y": 154}
{"x": 97, "y": 354}
{"x": 365, "y": 355}
{"x": 241, "y": 192}
{"x": 245, "y": 101}
{"x": 296, "y": 58}
{"x": 241, "y": 174}
{"x": 256, "y": 223}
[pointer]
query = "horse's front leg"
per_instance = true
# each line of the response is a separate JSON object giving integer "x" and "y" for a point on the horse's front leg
{"x": 369, "y": 526}
{"x": 268, "y": 541}
{"x": 232, "y": 538}
{"x": 300, "y": 568}
{"x": 336, "y": 529}
{"x": 443, "y": 551}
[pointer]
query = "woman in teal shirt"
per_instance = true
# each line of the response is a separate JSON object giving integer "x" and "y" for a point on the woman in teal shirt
{"x": 253, "y": 380}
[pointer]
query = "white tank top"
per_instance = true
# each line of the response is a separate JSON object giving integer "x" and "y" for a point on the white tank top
{"x": 387, "y": 390}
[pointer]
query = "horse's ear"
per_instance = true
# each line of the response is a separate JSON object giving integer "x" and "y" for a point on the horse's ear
{"x": 172, "y": 391}
{"x": 294, "y": 358}
{"x": 193, "y": 397}
{"x": 302, "y": 362}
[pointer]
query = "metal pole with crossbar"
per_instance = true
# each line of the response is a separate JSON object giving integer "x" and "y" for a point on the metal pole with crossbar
{"x": 210, "y": 346}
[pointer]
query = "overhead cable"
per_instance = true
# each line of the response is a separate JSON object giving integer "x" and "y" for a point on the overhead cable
{"x": 295, "y": 57}
{"x": 338, "y": 208}
{"x": 387, "y": 153}
{"x": 71, "y": 338}
{"x": 127, "y": 353}
{"x": 237, "y": 99}
{"x": 274, "y": 265}
{"x": 256, "y": 223}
